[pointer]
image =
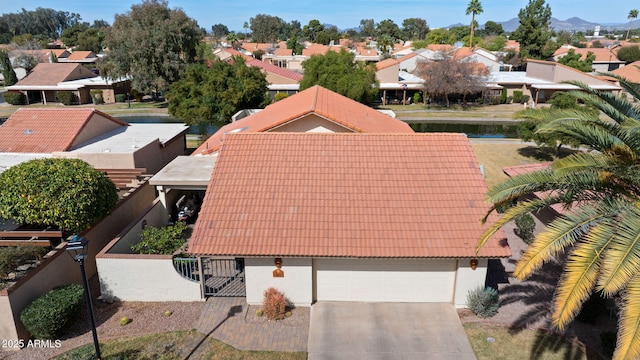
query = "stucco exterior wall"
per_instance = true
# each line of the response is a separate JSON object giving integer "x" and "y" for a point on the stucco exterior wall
{"x": 388, "y": 75}
{"x": 98, "y": 125}
{"x": 102, "y": 160}
{"x": 277, "y": 79}
{"x": 154, "y": 215}
{"x": 311, "y": 123}
{"x": 296, "y": 283}
{"x": 468, "y": 279}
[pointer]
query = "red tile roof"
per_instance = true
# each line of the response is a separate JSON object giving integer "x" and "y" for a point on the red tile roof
{"x": 275, "y": 70}
{"x": 45, "y": 130}
{"x": 345, "y": 195}
{"x": 630, "y": 72}
{"x": 45, "y": 74}
{"x": 601, "y": 54}
{"x": 283, "y": 52}
{"x": 318, "y": 100}
{"x": 81, "y": 55}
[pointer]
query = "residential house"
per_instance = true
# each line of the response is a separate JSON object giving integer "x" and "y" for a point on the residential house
{"x": 350, "y": 217}
{"x": 44, "y": 82}
{"x": 605, "y": 59}
{"x": 630, "y": 72}
{"x": 279, "y": 79}
{"x": 398, "y": 86}
{"x": 83, "y": 57}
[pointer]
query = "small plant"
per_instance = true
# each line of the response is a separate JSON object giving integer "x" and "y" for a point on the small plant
{"x": 97, "y": 97}
{"x": 526, "y": 225}
{"x": 14, "y": 256}
{"x": 259, "y": 312}
{"x": 14, "y": 98}
{"x": 417, "y": 98}
{"x": 288, "y": 314}
{"x": 279, "y": 96}
{"x": 124, "y": 320}
{"x": 517, "y": 96}
{"x": 50, "y": 315}
{"x": 121, "y": 97}
{"x": 525, "y": 99}
{"x": 503, "y": 96}
{"x": 168, "y": 313}
{"x": 274, "y": 304}
{"x": 483, "y": 301}
{"x": 163, "y": 241}
{"x": 67, "y": 97}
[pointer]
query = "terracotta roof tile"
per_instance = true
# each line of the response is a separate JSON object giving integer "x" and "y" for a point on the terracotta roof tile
{"x": 54, "y": 73}
{"x": 527, "y": 168}
{"x": 318, "y": 100}
{"x": 275, "y": 69}
{"x": 345, "y": 195}
{"x": 81, "y": 55}
{"x": 45, "y": 130}
{"x": 630, "y": 72}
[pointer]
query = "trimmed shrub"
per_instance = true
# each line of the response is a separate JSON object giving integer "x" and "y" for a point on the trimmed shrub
{"x": 483, "y": 301}
{"x": 517, "y": 96}
{"x": 14, "y": 98}
{"x": 503, "y": 96}
{"x": 417, "y": 98}
{"x": 121, "y": 97}
{"x": 67, "y": 97}
{"x": 274, "y": 304}
{"x": 97, "y": 96}
{"x": 259, "y": 312}
{"x": 509, "y": 99}
{"x": 13, "y": 256}
{"x": 279, "y": 96}
{"x": 163, "y": 241}
{"x": 50, "y": 315}
{"x": 124, "y": 321}
{"x": 526, "y": 225}
{"x": 525, "y": 99}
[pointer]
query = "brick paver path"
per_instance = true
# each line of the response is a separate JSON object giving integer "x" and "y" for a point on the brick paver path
{"x": 225, "y": 319}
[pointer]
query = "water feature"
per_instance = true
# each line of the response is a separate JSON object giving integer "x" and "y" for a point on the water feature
{"x": 145, "y": 119}
{"x": 477, "y": 130}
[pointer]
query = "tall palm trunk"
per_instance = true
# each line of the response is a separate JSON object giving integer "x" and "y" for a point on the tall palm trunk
{"x": 473, "y": 22}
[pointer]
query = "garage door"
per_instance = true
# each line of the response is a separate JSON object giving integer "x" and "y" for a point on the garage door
{"x": 381, "y": 280}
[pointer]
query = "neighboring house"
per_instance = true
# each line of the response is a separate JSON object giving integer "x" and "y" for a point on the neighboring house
{"x": 91, "y": 135}
{"x": 84, "y": 57}
{"x": 543, "y": 78}
{"x": 44, "y": 82}
{"x": 397, "y": 86}
{"x": 480, "y": 56}
{"x": 630, "y": 72}
{"x": 605, "y": 59}
{"x": 352, "y": 217}
{"x": 279, "y": 79}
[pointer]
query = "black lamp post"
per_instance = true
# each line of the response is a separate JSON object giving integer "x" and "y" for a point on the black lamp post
{"x": 77, "y": 248}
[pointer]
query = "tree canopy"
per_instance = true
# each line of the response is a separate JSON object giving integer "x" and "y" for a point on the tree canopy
{"x": 534, "y": 31}
{"x": 66, "y": 193}
{"x": 152, "y": 44}
{"x": 573, "y": 60}
{"x": 629, "y": 54}
{"x": 9, "y": 75}
{"x": 337, "y": 71}
{"x": 414, "y": 29}
{"x": 211, "y": 95}
{"x": 266, "y": 28}
{"x": 596, "y": 236}
{"x": 39, "y": 22}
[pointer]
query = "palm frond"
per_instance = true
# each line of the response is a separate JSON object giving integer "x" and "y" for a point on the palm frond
{"x": 622, "y": 258}
{"x": 632, "y": 88}
{"x": 628, "y": 342}
{"x": 560, "y": 233}
{"x": 616, "y": 107}
{"x": 520, "y": 185}
{"x": 595, "y": 134}
{"x": 580, "y": 274}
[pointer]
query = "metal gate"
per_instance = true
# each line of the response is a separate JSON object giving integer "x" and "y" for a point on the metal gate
{"x": 223, "y": 277}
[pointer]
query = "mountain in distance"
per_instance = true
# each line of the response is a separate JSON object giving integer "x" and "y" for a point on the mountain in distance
{"x": 571, "y": 24}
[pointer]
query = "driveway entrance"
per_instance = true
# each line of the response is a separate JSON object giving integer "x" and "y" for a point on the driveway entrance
{"x": 352, "y": 330}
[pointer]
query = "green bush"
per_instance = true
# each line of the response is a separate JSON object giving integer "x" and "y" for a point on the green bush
{"x": 121, "y": 97}
{"x": 526, "y": 226}
{"x": 503, "y": 96}
{"x": 13, "y": 256}
{"x": 50, "y": 315}
{"x": 14, "y": 98}
{"x": 97, "y": 96}
{"x": 164, "y": 241}
{"x": 484, "y": 302}
{"x": 517, "y": 96}
{"x": 67, "y": 97}
{"x": 525, "y": 99}
{"x": 417, "y": 98}
{"x": 279, "y": 96}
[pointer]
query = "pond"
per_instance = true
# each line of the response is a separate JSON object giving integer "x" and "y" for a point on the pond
{"x": 144, "y": 119}
{"x": 483, "y": 130}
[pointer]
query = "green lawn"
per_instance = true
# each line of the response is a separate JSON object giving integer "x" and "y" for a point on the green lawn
{"x": 174, "y": 345}
{"x": 497, "y": 342}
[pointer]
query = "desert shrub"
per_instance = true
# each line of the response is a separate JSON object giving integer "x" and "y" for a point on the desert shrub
{"x": 13, "y": 256}
{"x": 279, "y": 96}
{"x": 274, "y": 304}
{"x": 67, "y": 97}
{"x": 164, "y": 241}
{"x": 14, "y": 98}
{"x": 121, "y": 97}
{"x": 50, "y": 315}
{"x": 484, "y": 302}
{"x": 97, "y": 97}
{"x": 417, "y": 98}
{"x": 526, "y": 225}
{"x": 517, "y": 96}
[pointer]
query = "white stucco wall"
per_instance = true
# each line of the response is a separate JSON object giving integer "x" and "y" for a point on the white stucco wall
{"x": 467, "y": 279}
{"x": 296, "y": 283}
{"x": 144, "y": 278}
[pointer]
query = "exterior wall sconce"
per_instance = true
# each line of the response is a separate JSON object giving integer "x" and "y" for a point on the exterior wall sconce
{"x": 278, "y": 272}
{"x": 473, "y": 264}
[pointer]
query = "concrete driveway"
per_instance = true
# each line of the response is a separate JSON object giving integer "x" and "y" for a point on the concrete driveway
{"x": 346, "y": 330}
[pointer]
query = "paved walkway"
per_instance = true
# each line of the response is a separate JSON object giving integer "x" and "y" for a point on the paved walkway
{"x": 227, "y": 319}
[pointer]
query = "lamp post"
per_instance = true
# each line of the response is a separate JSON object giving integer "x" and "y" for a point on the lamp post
{"x": 77, "y": 248}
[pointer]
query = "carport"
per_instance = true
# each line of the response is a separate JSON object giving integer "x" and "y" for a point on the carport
{"x": 421, "y": 331}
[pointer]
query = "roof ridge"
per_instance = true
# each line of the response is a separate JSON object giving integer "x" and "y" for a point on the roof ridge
{"x": 314, "y": 99}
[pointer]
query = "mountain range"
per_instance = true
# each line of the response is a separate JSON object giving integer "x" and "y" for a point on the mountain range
{"x": 571, "y": 24}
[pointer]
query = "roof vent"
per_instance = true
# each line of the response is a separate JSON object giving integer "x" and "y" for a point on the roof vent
{"x": 238, "y": 130}
{"x": 28, "y": 132}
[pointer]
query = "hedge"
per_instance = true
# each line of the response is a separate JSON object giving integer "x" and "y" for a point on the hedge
{"x": 14, "y": 98}
{"x": 67, "y": 97}
{"x": 50, "y": 315}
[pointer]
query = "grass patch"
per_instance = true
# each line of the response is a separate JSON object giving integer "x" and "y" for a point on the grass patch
{"x": 174, "y": 345}
{"x": 494, "y": 157}
{"x": 523, "y": 344}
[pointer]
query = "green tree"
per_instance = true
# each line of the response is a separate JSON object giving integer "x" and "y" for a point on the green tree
{"x": 493, "y": 28}
{"x": 440, "y": 36}
{"x": 70, "y": 35}
{"x": 294, "y": 45}
{"x": 66, "y": 193}
{"x": 368, "y": 28}
{"x": 266, "y": 28}
{"x": 232, "y": 39}
{"x": 629, "y": 54}
{"x": 219, "y": 31}
{"x": 152, "y": 44}
{"x": 414, "y": 29}
{"x": 474, "y": 8}
{"x": 311, "y": 30}
{"x": 573, "y": 60}
{"x": 9, "y": 75}
{"x": 495, "y": 43}
{"x": 633, "y": 14}
{"x": 337, "y": 71}
{"x": 211, "y": 95}
{"x": 600, "y": 228}
{"x": 534, "y": 33}
{"x": 90, "y": 40}
{"x": 388, "y": 28}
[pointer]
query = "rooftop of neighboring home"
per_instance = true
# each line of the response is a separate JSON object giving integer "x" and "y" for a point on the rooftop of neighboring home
{"x": 349, "y": 114}
{"x": 601, "y": 54}
{"x": 319, "y": 49}
{"x": 345, "y": 195}
{"x": 275, "y": 70}
{"x": 81, "y": 55}
{"x": 630, "y": 72}
{"x": 51, "y": 74}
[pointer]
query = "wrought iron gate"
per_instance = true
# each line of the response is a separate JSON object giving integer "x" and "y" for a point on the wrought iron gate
{"x": 223, "y": 277}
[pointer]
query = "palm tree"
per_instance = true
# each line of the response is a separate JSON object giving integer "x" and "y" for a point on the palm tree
{"x": 600, "y": 228}
{"x": 474, "y": 7}
{"x": 633, "y": 14}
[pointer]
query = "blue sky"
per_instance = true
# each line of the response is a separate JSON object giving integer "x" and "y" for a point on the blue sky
{"x": 342, "y": 13}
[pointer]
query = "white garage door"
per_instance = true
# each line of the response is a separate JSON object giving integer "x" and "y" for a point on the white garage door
{"x": 382, "y": 280}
